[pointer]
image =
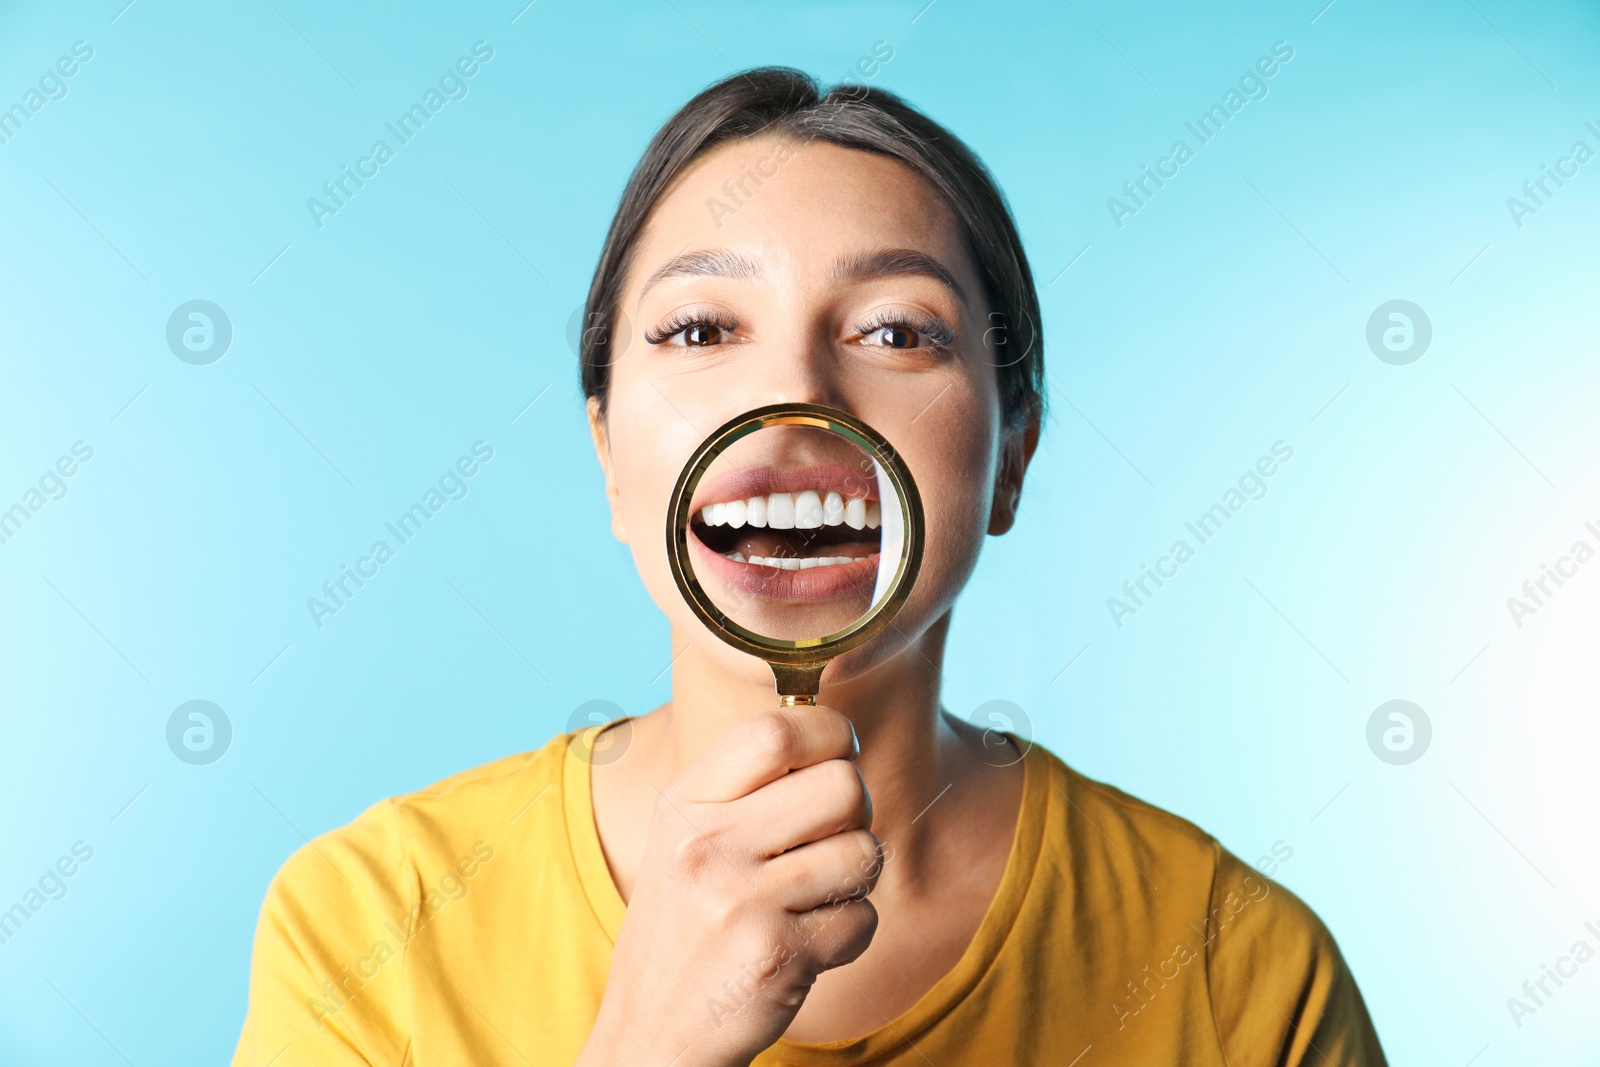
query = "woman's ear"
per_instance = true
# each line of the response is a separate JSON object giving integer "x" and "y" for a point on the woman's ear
{"x": 602, "y": 452}
{"x": 1016, "y": 452}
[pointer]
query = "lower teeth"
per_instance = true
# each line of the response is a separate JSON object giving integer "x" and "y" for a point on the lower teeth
{"x": 791, "y": 563}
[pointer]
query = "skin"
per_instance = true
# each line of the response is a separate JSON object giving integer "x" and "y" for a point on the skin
{"x": 728, "y": 826}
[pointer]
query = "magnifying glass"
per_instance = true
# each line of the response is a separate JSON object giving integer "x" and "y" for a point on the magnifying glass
{"x": 795, "y": 533}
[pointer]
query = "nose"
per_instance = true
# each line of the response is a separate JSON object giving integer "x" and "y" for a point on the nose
{"x": 806, "y": 372}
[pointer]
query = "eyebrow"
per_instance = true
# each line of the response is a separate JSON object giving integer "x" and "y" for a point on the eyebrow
{"x": 884, "y": 263}
{"x": 897, "y": 262}
{"x": 717, "y": 263}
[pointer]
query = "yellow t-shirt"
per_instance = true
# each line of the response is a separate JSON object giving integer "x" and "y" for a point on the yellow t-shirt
{"x": 473, "y": 923}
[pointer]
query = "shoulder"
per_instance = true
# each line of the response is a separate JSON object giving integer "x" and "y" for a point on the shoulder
{"x": 1279, "y": 989}
{"x": 1160, "y": 856}
{"x": 339, "y": 886}
{"x": 343, "y": 912}
{"x": 379, "y": 852}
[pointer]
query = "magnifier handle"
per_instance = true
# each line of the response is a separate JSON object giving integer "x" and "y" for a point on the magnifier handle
{"x": 797, "y": 683}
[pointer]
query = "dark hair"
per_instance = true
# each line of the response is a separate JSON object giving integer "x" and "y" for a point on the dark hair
{"x": 850, "y": 116}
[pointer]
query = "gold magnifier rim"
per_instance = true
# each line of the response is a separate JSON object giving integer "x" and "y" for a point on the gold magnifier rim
{"x": 812, "y": 649}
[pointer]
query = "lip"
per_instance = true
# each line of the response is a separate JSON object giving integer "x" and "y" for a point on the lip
{"x": 774, "y": 583}
{"x": 745, "y": 482}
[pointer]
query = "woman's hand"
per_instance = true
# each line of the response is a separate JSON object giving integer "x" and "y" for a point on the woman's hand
{"x": 754, "y": 879}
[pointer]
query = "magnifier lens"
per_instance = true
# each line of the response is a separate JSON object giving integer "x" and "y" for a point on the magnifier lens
{"x": 796, "y": 532}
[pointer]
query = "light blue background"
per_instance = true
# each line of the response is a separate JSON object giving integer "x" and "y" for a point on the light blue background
{"x": 1230, "y": 313}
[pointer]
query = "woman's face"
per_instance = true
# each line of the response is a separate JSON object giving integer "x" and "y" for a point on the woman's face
{"x": 780, "y": 271}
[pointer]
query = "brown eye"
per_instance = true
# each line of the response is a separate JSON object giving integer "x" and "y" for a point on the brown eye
{"x": 903, "y": 330}
{"x": 695, "y": 330}
{"x": 897, "y": 337}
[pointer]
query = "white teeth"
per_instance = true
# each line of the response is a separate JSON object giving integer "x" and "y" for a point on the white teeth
{"x": 807, "y": 510}
{"x": 737, "y": 557}
{"x": 792, "y": 563}
{"x": 780, "y": 511}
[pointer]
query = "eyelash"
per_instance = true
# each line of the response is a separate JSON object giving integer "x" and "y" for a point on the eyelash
{"x": 687, "y": 318}
{"x": 938, "y": 334}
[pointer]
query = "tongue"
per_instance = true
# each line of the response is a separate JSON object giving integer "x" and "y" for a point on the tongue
{"x": 797, "y": 545}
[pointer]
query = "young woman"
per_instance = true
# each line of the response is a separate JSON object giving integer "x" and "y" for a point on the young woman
{"x": 691, "y": 887}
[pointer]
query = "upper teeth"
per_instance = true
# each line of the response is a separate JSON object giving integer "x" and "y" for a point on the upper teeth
{"x": 792, "y": 563}
{"x": 805, "y": 510}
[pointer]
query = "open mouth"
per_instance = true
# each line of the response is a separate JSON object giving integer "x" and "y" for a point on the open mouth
{"x": 804, "y": 534}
